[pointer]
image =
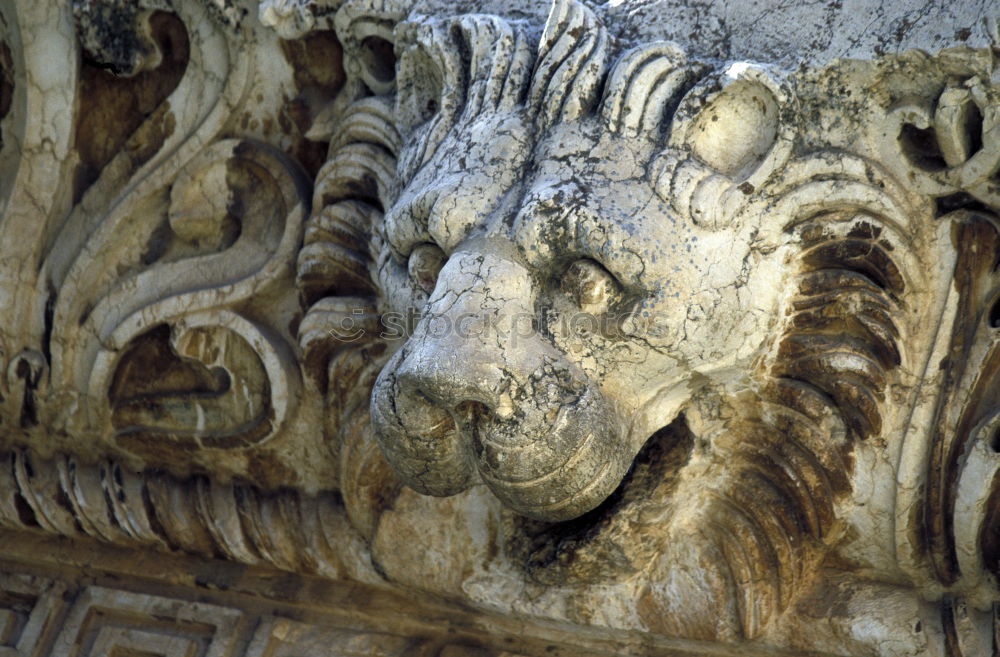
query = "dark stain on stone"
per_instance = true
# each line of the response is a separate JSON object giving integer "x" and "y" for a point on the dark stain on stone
{"x": 551, "y": 551}
{"x": 6, "y": 83}
{"x": 318, "y": 69}
{"x": 113, "y": 108}
{"x": 267, "y": 471}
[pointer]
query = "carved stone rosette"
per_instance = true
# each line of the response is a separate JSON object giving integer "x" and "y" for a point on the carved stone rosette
{"x": 408, "y": 327}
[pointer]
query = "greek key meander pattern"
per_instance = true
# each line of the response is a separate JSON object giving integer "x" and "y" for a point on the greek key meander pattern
{"x": 43, "y": 617}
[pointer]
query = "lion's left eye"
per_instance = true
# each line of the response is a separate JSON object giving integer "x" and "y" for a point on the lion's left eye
{"x": 591, "y": 286}
{"x": 424, "y": 264}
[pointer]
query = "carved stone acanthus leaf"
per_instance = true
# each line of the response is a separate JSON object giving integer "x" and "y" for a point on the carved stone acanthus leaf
{"x": 533, "y": 309}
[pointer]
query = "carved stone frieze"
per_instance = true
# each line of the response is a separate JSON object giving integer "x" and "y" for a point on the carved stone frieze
{"x": 42, "y": 616}
{"x": 639, "y": 317}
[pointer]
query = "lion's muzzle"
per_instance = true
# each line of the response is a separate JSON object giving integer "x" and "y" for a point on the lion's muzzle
{"x": 478, "y": 394}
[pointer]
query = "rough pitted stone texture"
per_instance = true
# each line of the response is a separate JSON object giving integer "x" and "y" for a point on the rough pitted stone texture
{"x": 411, "y": 327}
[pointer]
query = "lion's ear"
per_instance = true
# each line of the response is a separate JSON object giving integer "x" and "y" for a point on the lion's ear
{"x": 730, "y": 133}
{"x": 737, "y": 122}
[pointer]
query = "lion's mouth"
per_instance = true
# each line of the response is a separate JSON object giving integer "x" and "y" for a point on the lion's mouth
{"x": 550, "y": 461}
{"x": 620, "y": 535}
{"x": 543, "y": 464}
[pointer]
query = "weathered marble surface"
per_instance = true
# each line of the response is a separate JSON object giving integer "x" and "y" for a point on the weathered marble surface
{"x": 646, "y": 327}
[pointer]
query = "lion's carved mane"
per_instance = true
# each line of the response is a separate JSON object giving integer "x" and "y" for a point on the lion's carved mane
{"x": 764, "y": 522}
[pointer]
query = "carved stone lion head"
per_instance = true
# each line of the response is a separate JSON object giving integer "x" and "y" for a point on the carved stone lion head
{"x": 577, "y": 277}
{"x": 548, "y": 253}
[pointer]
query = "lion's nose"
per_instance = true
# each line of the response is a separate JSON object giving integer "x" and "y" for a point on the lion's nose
{"x": 476, "y": 338}
{"x": 456, "y": 372}
{"x": 462, "y": 364}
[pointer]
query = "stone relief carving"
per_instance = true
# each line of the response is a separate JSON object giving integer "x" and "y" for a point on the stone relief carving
{"x": 42, "y": 617}
{"x": 538, "y": 313}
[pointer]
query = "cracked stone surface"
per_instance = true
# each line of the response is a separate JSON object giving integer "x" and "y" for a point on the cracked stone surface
{"x": 413, "y": 327}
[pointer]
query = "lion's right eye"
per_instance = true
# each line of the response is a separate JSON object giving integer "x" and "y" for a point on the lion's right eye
{"x": 592, "y": 287}
{"x": 424, "y": 264}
